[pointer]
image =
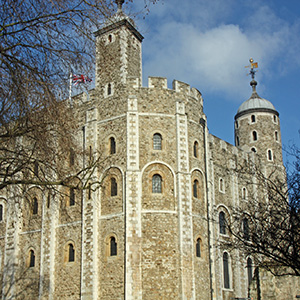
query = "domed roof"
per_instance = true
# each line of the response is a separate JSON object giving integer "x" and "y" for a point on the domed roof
{"x": 255, "y": 104}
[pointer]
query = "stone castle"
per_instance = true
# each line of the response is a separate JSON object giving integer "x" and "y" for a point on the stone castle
{"x": 167, "y": 187}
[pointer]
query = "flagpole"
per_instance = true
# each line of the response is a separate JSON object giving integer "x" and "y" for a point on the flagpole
{"x": 70, "y": 89}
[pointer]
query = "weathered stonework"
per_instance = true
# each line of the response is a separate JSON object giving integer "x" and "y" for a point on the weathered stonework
{"x": 130, "y": 240}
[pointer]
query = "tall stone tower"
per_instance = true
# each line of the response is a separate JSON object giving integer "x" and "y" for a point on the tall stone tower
{"x": 257, "y": 127}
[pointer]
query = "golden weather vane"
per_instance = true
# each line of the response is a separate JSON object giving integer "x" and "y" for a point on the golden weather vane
{"x": 253, "y": 66}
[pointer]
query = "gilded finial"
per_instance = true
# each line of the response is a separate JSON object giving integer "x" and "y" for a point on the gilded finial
{"x": 253, "y": 66}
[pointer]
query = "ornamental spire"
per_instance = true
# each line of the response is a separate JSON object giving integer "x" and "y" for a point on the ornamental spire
{"x": 253, "y": 66}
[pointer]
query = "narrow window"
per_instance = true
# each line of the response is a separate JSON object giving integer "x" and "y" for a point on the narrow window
{"x": 113, "y": 187}
{"x": 253, "y": 118}
{"x": 244, "y": 193}
{"x": 72, "y": 197}
{"x": 71, "y": 253}
{"x": 156, "y": 184}
{"x": 237, "y": 141}
{"x": 249, "y": 270}
{"x": 246, "y": 235}
{"x": 90, "y": 154}
{"x": 236, "y": 124}
{"x": 275, "y": 119}
{"x": 36, "y": 168}
{"x": 1, "y": 212}
{"x": 195, "y": 188}
{"x": 221, "y": 185}
{"x": 276, "y": 136}
{"x": 110, "y": 38}
{"x": 198, "y": 248}
{"x": 270, "y": 156}
{"x": 222, "y": 223}
{"x": 254, "y": 135}
{"x": 112, "y": 145}
{"x": 109, "y": 89}
{"x": 48, "y": 200}
{"x": 31, "y": 259}
{"x": 72, "y": 157}
{"x": 157, "y": 139}
{"x": 113, "y": 246}
{"x": 226, "y": 270}
{"x": 196, "y": 149}
{"x": 35, "y": 206}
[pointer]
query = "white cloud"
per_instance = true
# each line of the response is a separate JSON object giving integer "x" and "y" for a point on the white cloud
{"x": 213, "y": 58}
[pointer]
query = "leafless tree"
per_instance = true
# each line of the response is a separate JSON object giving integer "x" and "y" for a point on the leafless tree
{"x": 40, "y": 43}
{"x": 266, "y": 225}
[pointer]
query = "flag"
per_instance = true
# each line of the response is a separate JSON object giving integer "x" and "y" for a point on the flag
{"x": 80, "y": 79}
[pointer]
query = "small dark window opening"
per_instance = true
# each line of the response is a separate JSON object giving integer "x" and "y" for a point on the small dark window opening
{"x": 237, "y": 141}
{"x": 36, "y": 168}
{"x": 1, "y": 212}
{"x": 253, "y": 118}
{"x": 276, "y": 136}
{"x": 113, "y": 187}
{"x": 195, "y": 188}
{"x": 112, "y": 143}
{"x": 156, "y": 184}
{"x": 198, "y": 248}
{"x": 253, "y": 150}
{"x": 226, "y": 270}
{"x": 254, "y": 135}
{"x": 72, "y": 197}
{"x": 31, "y": 259}
{"x": 274, "y": 118}
{"x": 196, "y": 149}
{"x": 222, "y": 223}
{"x": 221, "y": 185}
{"x": 270, "y": 157}
{"x": 90, "y": 154}
{"x": 246, "y": 234}
{"x": 72, "y": 157}
{"x": 71, "y": 253}
{"x": 110, "y": 38}
{"x": 48, "y": 200}
{"x": 157, "y": 139}
{"x": 249, "y": 270}
{"x": 35, "y": 206}
{"x": 109, "y": 89}
{"x": 113, "y": 246}
{"x": 244, "y": 193}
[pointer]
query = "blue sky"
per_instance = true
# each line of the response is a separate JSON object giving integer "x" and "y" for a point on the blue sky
{"x": 207, "y": 44}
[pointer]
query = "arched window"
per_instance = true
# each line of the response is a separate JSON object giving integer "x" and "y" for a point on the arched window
{"x": 31, "y": 259}
{"x": 276, "y": 136}
{"x": 112, "y": 145}
{"x": 109, "y": 38}
{"x": 156, "y": 184}
{"x": 270, "y": 156}
{"x": 195, "y": 188}
{"x": 71, "y": 253}
{"x": 72, "y": 197}
{"x": 35, "y": 206}
{"x": 109, "y": 89}
{"x": 249, "y": 270}
{"x": 275, "y": 119}
{"x": 113, "y": 246}
{"x": 226, "y": 270}
{"x": 254, "y": 135}
{"x": 253, "y": 118}
{"x": 1, "y": 212}
{"x": 196, "y": 149}
{"x": 113, "y": 187}
{"x": 246, "y": 234}
{"x": 157, "y": 141}
{"x": 198, "y": 247}
{"x": 222, "y": 222}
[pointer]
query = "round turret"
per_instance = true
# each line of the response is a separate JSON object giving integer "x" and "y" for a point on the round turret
{"x": 257, "y": 126}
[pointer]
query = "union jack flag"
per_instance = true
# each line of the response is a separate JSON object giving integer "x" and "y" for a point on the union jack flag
{"x": 80, "y": 79}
